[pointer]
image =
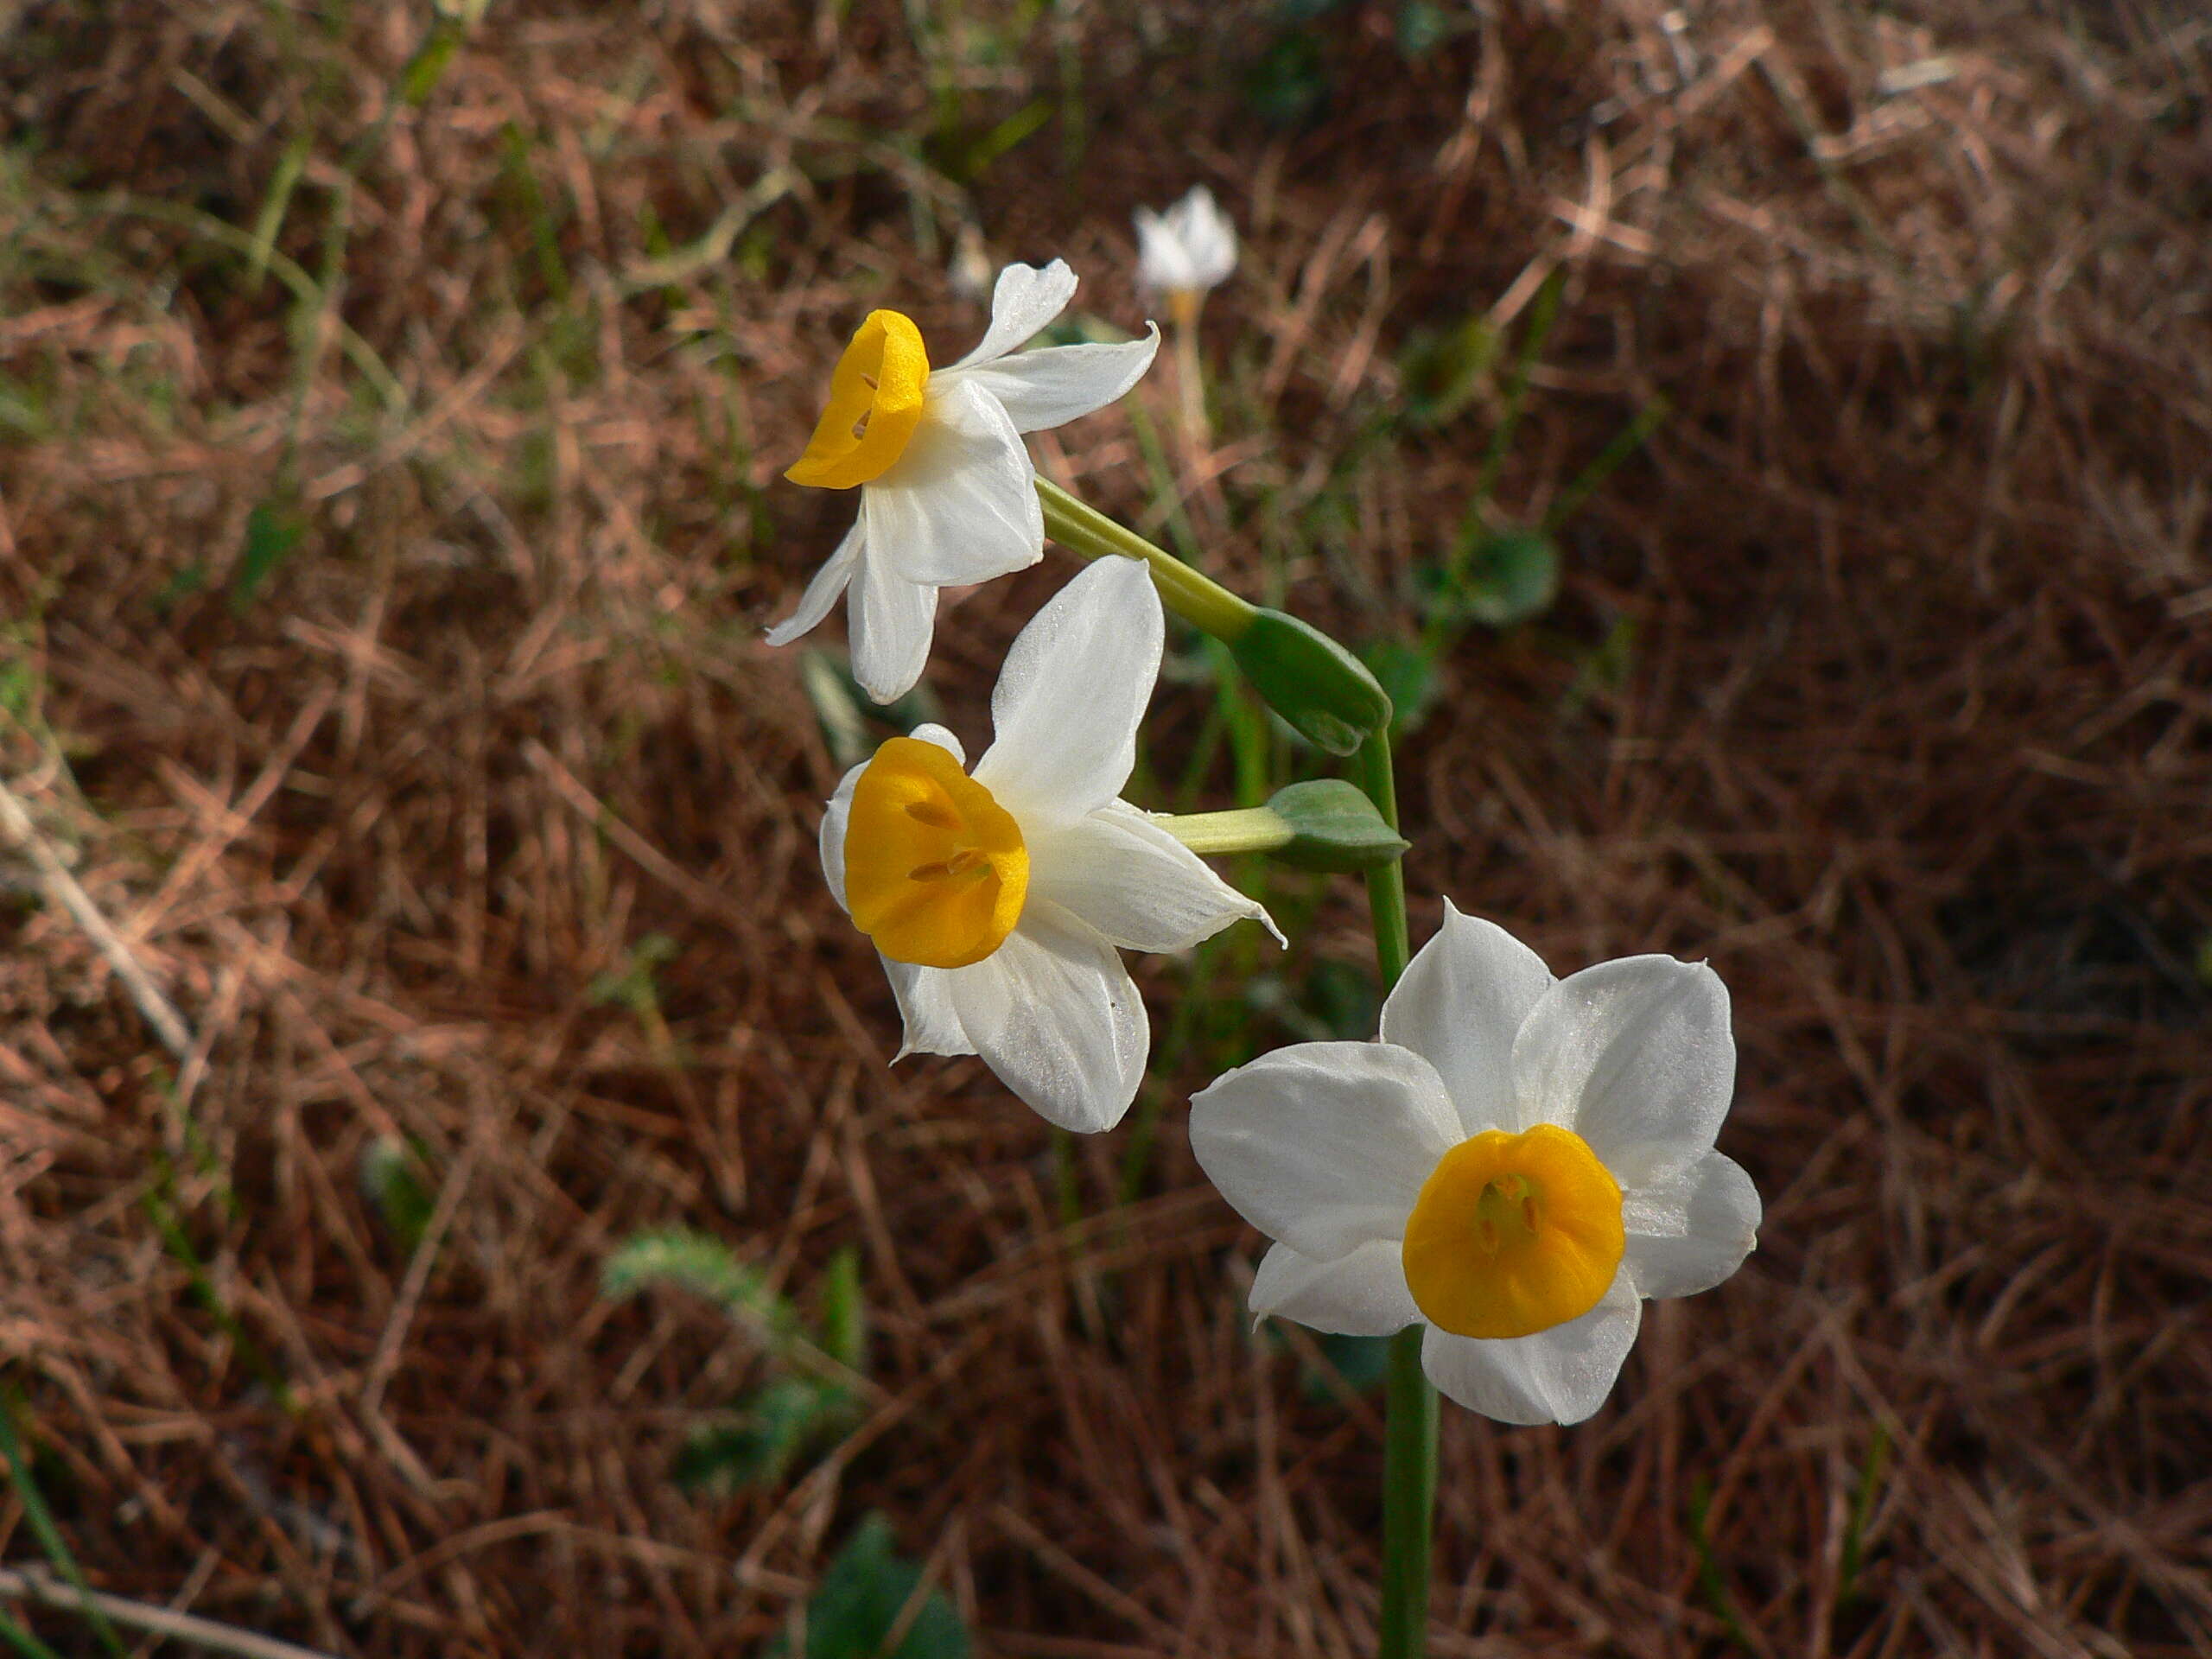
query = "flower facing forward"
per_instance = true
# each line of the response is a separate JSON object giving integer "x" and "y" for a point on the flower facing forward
{"x": 948, "y": 493}
{"x": 1185, "y": 251}
{"x": 998, "y": 899}
{"x": 1516, "y": 1164}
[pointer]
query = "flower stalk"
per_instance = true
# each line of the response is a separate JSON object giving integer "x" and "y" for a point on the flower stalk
{"x": 1198, "y": 599}
{"x": 1322, "y": 691}
{"x": 1243, "y": 830}
{"x": 1409, "y": 1432}
{"x": 1323, "y": 823}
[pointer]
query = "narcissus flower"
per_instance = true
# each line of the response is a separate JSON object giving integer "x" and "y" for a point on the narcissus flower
{"x": 948, "y": 493}
{"x": 1185, "y": 251}
{"x": 1000, "y": 899}
{"x": 1518, "y": 1164}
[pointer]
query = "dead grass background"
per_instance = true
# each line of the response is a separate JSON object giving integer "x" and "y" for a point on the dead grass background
{"x": 1912, "y": 740}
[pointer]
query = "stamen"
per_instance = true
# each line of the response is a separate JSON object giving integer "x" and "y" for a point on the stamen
{"x": 1529, "y": 1216}
{"x": 935, "y": 813}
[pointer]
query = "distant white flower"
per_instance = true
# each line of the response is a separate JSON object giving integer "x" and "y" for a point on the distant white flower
{"x": 1518, "y": 1164}
{"x": 948, "y": 493}
{"x": 1185, "y": 251}
{"x": 998, "y": 900}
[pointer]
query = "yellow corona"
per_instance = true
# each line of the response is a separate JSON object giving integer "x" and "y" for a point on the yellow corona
{"x": 876, "y": 403}
{"x": 1514, "y": 1234}
{"x": 936, "y": 870}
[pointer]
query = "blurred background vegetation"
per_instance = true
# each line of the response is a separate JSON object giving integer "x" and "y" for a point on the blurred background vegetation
{"x": 453, "y": 1196}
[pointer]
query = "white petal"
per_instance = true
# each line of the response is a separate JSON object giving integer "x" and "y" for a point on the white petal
{"x": 821, "y": 593}
{"x": 889, "y": 622}
{"x": 1135, "y": 883}
{"x": 925, "y": 1005}
{"x": 832, "y": 839}
{"x": 961, "y": 505}
{"x": 931, "y": 732}
{"x": 1025, "y": 300}
{"x": 1192, "y": 245}
{"x": 1325, "y": 1146}
{"x": 1054, "y": 385}
{"x": 1630, "y": 1053}
{"x": 1691, "y": 1228}
{"x": 1207, "y": 236}
{"x": 1163, "y": 260}
{"x": 1460, "y": 1006}
{"x": 1559, "y": 1375}
{"x": 1055, "y": 1014}
{"x": 1361, "y": 1294}
{"x": 1068, "y": 701}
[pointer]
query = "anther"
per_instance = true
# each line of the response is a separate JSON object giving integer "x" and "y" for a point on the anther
{"x": 1529, "y": 1215}
{"x": 934, "y": 813}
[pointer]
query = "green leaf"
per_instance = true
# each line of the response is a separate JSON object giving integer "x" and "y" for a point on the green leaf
{"x": 1510, "y": 576}
{"x": 1407, "y": 675}
{"x": 428, "y": 66}
{"x": 392, "y": 1178}
{"x": 1441, "y": 370}
{"x": 842, "y": 1328}
{"x": 759, "y": 1445}
{"x": 1423, "y": 27}
{"x": 43, "y": 1525}
{"x": 852, "y": 724}
{"x": 1322, "y": 691}
{"x": 633, "y": 985}
{"x": 964, "y": 154}
{"x": 702, "y": 1265}
{"x": 1342, "y": 996}
{"x": 857, "y": 1606}
{"x": 1363, "y": 1362}
{"x": 837, "y": 702}
{"x": 271, "y": 532}
{"x": 1862, "y": 1511}
{"x": 1288, "y": 84}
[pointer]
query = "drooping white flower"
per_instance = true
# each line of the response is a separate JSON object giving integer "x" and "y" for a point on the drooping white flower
{"x": 1518, "y": 1164}
{"x": 1185, "y": 251}
{"x": 948, "y": 492}
{"x": 1000, "y": 901}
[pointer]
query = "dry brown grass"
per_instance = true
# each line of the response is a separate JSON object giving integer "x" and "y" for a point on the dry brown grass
{"x": 1914, "y": 741}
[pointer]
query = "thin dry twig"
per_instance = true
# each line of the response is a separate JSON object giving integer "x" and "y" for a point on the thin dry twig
{"x": 64, "y": 890}
{"x": 38, "y": 1584}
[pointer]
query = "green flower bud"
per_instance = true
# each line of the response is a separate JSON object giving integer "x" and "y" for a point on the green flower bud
{"x": 1323, "y": 692}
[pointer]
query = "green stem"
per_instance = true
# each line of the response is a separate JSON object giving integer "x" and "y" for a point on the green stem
{"x": 1385, "y": 885}
{"x": 1408, "y": 1498}
{"x": 1204, "y": 603}
{"x": 1216, "y": 834}
{"x": 1410, "y": 1444}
